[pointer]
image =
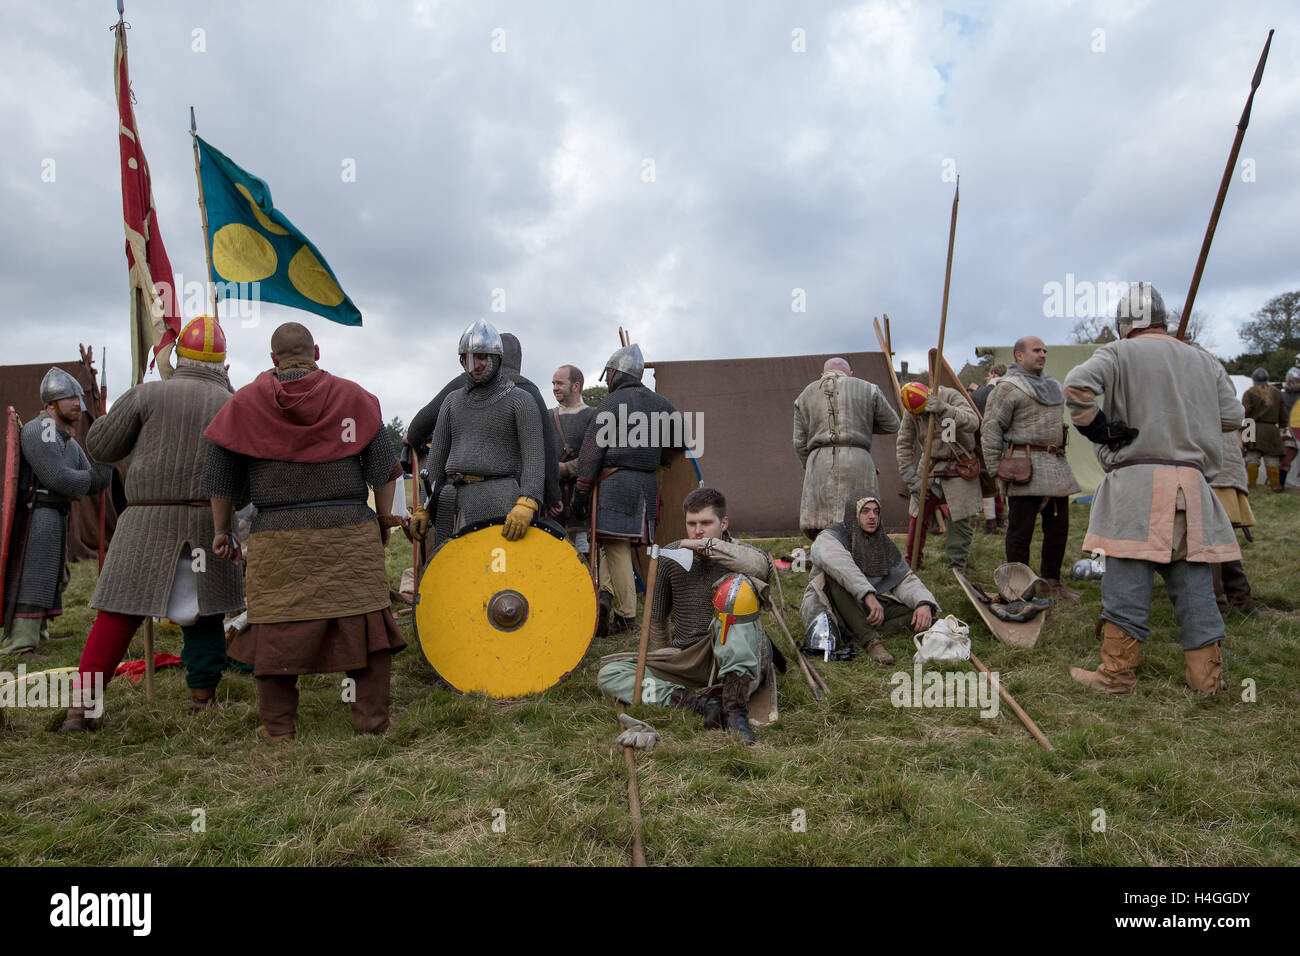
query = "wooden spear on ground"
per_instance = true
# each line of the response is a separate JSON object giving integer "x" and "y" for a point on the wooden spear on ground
{"x": 1223, "y": 189}
{"x": 633, "y": 791}
{"x": 1015, "y": 708}
{"x": 934, "y": 382}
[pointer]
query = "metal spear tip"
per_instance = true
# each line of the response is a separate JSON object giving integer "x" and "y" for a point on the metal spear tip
{"x": 1259, "y": 70}
{"x": 193, "y": 125}
{"x": 119, "y": 13}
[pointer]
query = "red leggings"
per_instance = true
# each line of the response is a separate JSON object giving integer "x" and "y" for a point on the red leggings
{"x": 106, "y": 645}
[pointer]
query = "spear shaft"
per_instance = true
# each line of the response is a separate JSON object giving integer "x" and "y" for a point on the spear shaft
{"x": 1223, "y": 189}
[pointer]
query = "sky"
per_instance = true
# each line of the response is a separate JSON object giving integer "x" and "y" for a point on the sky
{"x": 725, "y": 180}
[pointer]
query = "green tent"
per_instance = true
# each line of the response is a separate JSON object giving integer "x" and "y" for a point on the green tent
{"x": 1060, "y": 359}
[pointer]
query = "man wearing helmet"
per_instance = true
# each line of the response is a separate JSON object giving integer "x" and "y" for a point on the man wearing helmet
{"x": 308, "y": 447}
{"x": 860, "y": 578}
{"x": 53, "y": 472}
{"x": 951, "y": 453}
{"x": 623, "y": 465}
{"x": 835, "y": 418}
{"x": 711, "y": 597}
{"x": 1160, "y": 442}
{"x": 1265, "y": 407}
{"x": 157, "y": 564}
{"x": 488, "y": 451}
{"x": 1025, "y": 425}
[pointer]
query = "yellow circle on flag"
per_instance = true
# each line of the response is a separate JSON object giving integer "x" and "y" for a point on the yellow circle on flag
{"x": 241, "y": 254}
{"x": 312, "y": 279}
{"x": 260, "y": 216}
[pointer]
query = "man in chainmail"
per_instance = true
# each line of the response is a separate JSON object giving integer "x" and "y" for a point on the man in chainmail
{"x": 307, "y": 447}
{"x": 860, "y": 577}
{"x": 53, "y": 472}
{"x": 157, "y": 564}
{"x": 571, "y": 416}
{"x": 1026, "y": 418}
{"x": 835, "y": 418}
{"x": 694, "y": 649}
{"x": 619, "y": 459}
{"x": 487, "y": 448}
{"x": 420, "y": 431}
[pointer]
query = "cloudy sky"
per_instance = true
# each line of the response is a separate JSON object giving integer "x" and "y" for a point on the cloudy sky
{"x": 680, "y": 169}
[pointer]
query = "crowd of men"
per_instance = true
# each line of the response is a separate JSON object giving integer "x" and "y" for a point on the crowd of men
{"x": 310, "y": 453}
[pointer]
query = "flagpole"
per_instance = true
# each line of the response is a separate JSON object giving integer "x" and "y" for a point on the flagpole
{"x": 203, "y": 210}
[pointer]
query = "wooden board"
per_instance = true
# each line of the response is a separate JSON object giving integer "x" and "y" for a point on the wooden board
{"x": 1017, "y": 634}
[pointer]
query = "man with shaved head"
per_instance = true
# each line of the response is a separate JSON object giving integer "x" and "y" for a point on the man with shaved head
{"x": 1023, "y": 440}
{"x": 834, "y": 419}
{"x": 307, "y": 447}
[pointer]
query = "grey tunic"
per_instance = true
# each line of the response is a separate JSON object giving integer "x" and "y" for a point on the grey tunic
{"x": 834, "y": 419}
{"x": 627, "y": 500}
{"x": 160, "y": 426}
{"x": 961, "y": 494}
{"x": 1014, "y": 416}
{"x": 832, "y": 560}
{"x": 1157, "y": 384}
{"x": 61, "y": 468}
{"x": 494, "y": 431}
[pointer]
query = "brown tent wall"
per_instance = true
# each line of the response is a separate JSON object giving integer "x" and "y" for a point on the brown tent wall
{"x": 20, "y": 386}
{"x": 748, "y": 416}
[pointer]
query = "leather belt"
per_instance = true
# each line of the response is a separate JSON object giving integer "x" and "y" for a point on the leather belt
{"x": 1057, "y": 450}
{"x": 458, "y": 479}
{"x": 328, "y": 503}
{"x": 1153, "y": 461}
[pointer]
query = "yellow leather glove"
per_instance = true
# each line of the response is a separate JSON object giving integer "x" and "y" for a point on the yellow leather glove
{"x": 520, "y": 517}
{"x": 420, "y": 523}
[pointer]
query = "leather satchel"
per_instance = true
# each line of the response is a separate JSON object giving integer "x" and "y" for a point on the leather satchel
{"x": 1016, "y": 471}
{"x": 968, "y": 467}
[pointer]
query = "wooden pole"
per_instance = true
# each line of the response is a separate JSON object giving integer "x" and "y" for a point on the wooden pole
{"x": 415, "y": 506}
{"x": 645, "y": 623}
{"x": 148, "y": 658}
{"x": 203, "y": 211}
{"x": 934, "y": 381}
{"x": 1223, "y": 190}
{"x": 1015, "y": 708}
{"x": 810, "y": 673}
{"x": 633, "y": 802}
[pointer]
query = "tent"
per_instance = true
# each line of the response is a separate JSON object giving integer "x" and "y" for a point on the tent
{"x": 1060, "y": 360}
{"x": 20, "y": 386}
{"x": 747, "y": 409}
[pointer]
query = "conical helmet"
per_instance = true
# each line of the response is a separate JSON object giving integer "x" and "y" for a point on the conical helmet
{"x": 628, "y": 360}
{"x": 59, "y": 384}
{"x": 1140, "y": 308}
{"x": 480, "y": 338}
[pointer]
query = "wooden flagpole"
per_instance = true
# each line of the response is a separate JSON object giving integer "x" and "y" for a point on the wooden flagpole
{"x": 934, "y": 382}
{"x": 203, "y": 211}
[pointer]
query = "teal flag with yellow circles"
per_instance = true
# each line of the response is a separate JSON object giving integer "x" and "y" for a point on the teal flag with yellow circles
{"x": 252, "y": 241}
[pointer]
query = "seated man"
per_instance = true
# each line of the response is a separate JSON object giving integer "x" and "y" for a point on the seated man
{"x": 704, "y": 636}
{"x": 860, "y": 577}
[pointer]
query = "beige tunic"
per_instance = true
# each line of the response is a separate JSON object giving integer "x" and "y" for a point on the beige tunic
{"x": 834, "y": 419}
{"x": 955, "y": 416}
{"x": 831, "y": 559}
{"x": 1014, "y": 416}
{"x": 1179, "y": 398}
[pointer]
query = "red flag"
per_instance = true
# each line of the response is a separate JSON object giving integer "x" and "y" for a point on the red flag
{"x": 158, "y": 323}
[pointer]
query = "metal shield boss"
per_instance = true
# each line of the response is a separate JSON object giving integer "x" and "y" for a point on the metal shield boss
{"x": 507, "y": 618}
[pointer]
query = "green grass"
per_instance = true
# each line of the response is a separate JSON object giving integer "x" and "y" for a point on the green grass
{"x": 1182, "y": 779}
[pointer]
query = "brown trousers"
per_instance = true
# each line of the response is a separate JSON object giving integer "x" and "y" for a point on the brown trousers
{"x": 277, "y": 698}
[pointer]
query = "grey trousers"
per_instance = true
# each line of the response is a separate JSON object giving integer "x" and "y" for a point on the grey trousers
{"x": 1126, "y": 599}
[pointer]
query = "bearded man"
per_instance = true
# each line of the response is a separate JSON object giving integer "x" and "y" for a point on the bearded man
{"x": 53, "y": 472}
{"x": 307, "y": 447}
{"x": 571, "y": 416}
{"x": 1160, "y": 443}
{"x": 157, "y": 565}
{"x": 859, "y": 577}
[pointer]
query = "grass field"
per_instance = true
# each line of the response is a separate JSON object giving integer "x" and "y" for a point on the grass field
{"x": 1182, "y": 780}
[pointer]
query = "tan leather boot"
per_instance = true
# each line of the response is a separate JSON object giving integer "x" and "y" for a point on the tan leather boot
{"x": 876, "y": 651}
{"x": 1252, "y": 475}
{"x": 273, "y": 738}
{"x": 201, "y": 698}
{"x": 1119, "y": 660}
{"x": 1205, "y": 669}
{"x": 1053, "y": 588}
{"x": 1274, "y": 478}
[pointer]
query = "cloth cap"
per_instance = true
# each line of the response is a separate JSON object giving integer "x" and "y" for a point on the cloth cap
{"x": 202, "y": 340}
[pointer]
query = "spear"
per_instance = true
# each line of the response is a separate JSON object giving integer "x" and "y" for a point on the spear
{"x": 934, "y": 382}
{"x": 1223, "y": 189}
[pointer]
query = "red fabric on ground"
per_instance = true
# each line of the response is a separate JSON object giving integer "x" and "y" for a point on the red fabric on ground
{"x": 135, "y": 669}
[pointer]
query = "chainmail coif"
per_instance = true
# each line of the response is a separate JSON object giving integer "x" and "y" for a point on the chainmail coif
{"x": 875, "y": 553}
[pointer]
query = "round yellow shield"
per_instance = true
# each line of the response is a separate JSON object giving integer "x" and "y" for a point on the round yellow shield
{"x": 508, "y": 618}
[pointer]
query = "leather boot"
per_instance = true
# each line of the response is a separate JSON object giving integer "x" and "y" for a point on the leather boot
{"x": 735, "y": 705}
{"x": 76, "y": 722}
{"x": 1205, "y": 669}
{"x": 603, "y": 603}
{"x": 1053, "y": 588}
{"x": 990, "y": 525}
{"x": 273, "y": 738}
{"x": 201, "y": 698}
{"x": 708, "y": 706}
{"x": 1274, "y": 479}
{"x": 876, "y": 651}
{"x": 1119, "y": 660}
{"x": 1252, "y": 475}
